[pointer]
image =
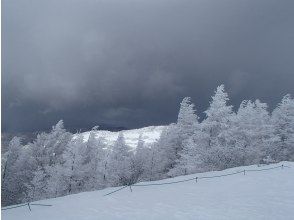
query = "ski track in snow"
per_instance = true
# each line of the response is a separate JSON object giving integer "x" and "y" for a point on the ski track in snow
{"x": 257, "y": 195}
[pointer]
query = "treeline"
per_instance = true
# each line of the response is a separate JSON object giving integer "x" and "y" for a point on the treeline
{"x": 60, "y": 163}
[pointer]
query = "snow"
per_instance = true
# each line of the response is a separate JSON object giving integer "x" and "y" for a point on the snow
{"x": 256, "y": 195}
{"x": 149, "y": 134}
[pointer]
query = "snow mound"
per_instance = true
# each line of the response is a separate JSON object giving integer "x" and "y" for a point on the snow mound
{"x": 267, "y": 195}
{"x": 149, "y": 134}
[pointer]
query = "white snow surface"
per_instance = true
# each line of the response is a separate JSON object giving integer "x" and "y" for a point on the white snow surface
{"x": 257, "y": 195}
{"x": 149, "y": 135}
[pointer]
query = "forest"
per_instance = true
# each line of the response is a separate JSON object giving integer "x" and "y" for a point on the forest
{"x": 58, "y": 163}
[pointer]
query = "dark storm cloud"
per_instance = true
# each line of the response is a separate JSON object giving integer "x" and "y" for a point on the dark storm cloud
{"x": 129, "y": 63}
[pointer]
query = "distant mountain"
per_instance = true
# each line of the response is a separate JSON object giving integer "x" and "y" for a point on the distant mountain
{"x": 149, "y": 135}
{"x": 110, "y": 133}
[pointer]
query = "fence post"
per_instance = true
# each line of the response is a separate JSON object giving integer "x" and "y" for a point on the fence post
{"x": 131, "y": 188}
{"x": 29, "y": 206}
{"x": 196, "y": 179}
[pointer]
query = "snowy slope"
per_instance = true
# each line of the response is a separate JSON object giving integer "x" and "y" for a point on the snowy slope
{"x": 256, "y": 195}
{"x": 149, "y": 135}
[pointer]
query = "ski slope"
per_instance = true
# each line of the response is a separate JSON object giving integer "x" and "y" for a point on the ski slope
{"x": 257, "y": 195}
{"x": 149, "y": 135}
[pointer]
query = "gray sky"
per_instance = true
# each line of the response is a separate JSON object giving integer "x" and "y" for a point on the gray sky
{"x": 129, "y": 63}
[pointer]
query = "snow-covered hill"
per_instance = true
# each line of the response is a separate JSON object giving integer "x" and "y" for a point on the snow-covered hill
{"x": 256, "y": 195}
{"x": 149, "y": 135}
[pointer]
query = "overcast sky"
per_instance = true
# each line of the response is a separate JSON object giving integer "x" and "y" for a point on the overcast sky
{"x": 129, "y": 63}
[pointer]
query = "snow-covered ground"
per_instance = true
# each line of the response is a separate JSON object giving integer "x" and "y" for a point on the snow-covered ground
{"x": 149, "y": 135}
{"x": 257, "y": 195}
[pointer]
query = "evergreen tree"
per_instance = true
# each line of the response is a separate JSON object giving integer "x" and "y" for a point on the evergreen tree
{"x": 251, "y": 134}
{"x": 283, "y": 122}
{"x": 187, "y": 119}
{"x": 72, "y": 172}
{"x": 47, "y": 152}
{"x": 187, "y": 126}
{"x": 167, "y": 150}
{"x": 11, "y": 181}
{"x": 95, "y": 159}
{"x": 216, "y": 126}
{"x": 140, "y": 160}
{"x": 119, "y": 163}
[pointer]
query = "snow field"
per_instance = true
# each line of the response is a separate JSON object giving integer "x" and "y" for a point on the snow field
{"x": 257, "y": 195}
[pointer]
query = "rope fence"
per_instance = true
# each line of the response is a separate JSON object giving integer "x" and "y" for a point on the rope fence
{"x": 27, "y": 204}
{"x": 197, "y": 178}
{"x": 116, "y": 190}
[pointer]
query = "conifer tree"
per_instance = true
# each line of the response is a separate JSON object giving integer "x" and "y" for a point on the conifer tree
{"x": 216, "y": 125}
{"x": 283, "y": 122}
{"x": 119, "y": 163}
{"x": 11, "y": 181}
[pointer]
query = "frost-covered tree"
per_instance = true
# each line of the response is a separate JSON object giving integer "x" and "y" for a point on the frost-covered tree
{"x": 283, "y": 122}
{"x": 119, "y": 163}
{"x": 72, "y": 172}
{"x": 139, "y": 163}
{"x": 17, "y": 172}
{"x": 187, "y": 119}
{"x": 219, "y": 113}
{"x": 47, "y": 152}
{"x": 12, "y": 184}
{"x": 27, "y": 167}
{"x": 265, "y": 138}
{"x": 37, "y": 184}
{"x": 216, "y": 126}
{"x": 60, "y": 179}
{"x": 174, "y": 138}
{"x": 193, "y": 155}
{"x": 191, "y": 140}
{"x": 56, "y": 142}
{"x": 167, "y": 149}
{"x": 95, "y": 161}
{"x": 252, "y": 133}
{"x": 48, "y": 147}
{"x": 153, "y": 165}
{"x": 139, "y": 159}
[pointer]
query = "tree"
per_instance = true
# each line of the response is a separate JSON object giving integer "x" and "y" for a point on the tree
{"x": 95, "y": 161}
{"x": 167, "y": 149}
{"x": 119, "y": 163}
{"x": 152, "y": 162}
{"x": 193, "y": 154}
{"x": 174, "y": 137}
{"x": 187, "y": 119}
{"x": 72, "y": 172}
{"x": 27, "y": 167}
{"x": 49, "y": 147}
{"x": 283, "y": 122}
{"x": 216, "y": 126}
{"x": 47, "y": 152}
{"x": 11, "y": 181}
{"x": 56, "y": 142}
{"x": 190, "y": 139}
{"x": 251, "y": 134}
{"x": 37, "y": 185}
{"x": 140, "y": 161}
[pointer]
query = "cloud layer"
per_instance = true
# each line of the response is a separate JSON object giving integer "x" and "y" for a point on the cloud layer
{"x": 129, "y": 63}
